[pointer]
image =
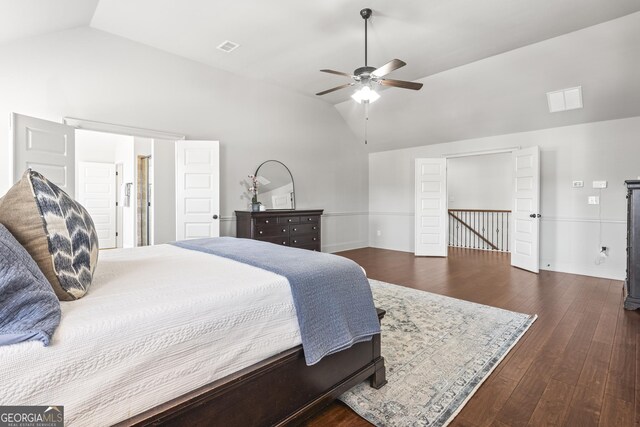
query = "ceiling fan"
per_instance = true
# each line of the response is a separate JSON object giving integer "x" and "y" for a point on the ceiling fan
{"x": 367, "y": 77}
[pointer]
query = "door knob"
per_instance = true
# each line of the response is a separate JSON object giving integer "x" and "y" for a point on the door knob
{"x": 535, "y": 216}
{"x": 215, "y": 217}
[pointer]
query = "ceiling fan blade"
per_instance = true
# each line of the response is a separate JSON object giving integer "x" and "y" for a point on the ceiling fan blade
{"x": 390, "y": 66}
{"x": 340, "y": 73}
{"x": 401, "y": 84}
{"x": 324, "y": 92}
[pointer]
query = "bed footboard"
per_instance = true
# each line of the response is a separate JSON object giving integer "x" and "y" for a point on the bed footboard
{"x": 279, "y": 391}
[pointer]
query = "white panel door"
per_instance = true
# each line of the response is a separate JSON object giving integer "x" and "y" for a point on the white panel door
{"x": 46, "y": 147}
{"x": 526, "y": 207}
{"x": 197, "y": 189}
{"x": 431, "y": 207}
{"x": 97, "y": 193}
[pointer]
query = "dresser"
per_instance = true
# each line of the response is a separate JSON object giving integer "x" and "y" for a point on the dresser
{"x": 632, "y": 284}
{"x": 295, "y": 228}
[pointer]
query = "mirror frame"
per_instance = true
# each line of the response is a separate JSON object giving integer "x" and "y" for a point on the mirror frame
{"x": 293, "y": 184}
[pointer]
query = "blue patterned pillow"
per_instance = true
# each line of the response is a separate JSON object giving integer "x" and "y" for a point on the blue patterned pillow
{"x": 30, "y": 309}
{"x": 57, "y": 231}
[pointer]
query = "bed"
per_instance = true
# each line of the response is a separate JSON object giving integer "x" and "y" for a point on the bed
{"x": 213, "y": 342}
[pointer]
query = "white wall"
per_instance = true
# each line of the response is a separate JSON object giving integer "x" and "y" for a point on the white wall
{"x": 164, "y": 195}
{"x": 480, "y": 182}
{"x": 93, "y": 75}
{"x": 569, "y": 229}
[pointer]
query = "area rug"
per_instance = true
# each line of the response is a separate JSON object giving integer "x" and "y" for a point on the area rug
{"x": 438, "y": 351}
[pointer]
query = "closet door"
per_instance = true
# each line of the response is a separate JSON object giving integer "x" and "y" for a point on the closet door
{"x": 525, "y": 247}
{"x": 431, "y": 229}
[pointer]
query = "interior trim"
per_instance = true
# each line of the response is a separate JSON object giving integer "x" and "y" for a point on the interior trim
{"x": 543, "y": 218}
{"x": 121, "y": 129}
{"x": 482, "y": 152}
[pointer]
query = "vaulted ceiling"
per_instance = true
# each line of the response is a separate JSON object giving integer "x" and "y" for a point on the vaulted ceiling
{"x": 467, "y": 52}
{"x": 287, "y": 42}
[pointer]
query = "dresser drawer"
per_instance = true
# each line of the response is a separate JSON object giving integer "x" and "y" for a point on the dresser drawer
{"x": 305, "y": 239}
{"x": 282, "y": 227}
{"x": 272, "y": 230}
{"x": 266, "y": 220}
{"x": 304, "y": 229}
{"x": 277, "y": 240}
{"x": 289, "y": 220}
{"x": 309, "y": 219}
{"x": 311, "y": 246}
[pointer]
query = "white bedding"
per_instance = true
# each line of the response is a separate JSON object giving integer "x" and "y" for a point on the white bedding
{"x": 158, "y": 322}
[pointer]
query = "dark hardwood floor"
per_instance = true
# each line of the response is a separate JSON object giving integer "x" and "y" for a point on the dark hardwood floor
{"x": 578, "y": 365}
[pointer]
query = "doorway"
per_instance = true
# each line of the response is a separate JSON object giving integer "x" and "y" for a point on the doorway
{"x": 182, "y": 176}
{"x": 480, "y": 196}
{"x": 128, "y": 206}
{"x": 437, "y": 225}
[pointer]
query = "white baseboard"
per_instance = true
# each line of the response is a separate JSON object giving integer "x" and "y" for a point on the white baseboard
{"x": 600, "y": 271}
{"x": 344, "y": 246}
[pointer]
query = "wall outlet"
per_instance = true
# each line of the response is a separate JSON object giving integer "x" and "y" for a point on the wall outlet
{"x": 378, "y": 233}
{"x": 593, "y": 200}
{"x": 578, "y": 184}
{"x": 599, "y": 184}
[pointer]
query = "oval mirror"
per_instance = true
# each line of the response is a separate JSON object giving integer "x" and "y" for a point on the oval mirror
{"x": 276, "y": 190}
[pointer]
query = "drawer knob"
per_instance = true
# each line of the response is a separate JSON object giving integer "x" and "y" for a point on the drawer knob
{"x": 284, "y": 230}
{"x": 266, "y": 221}
{"x": 295, "y": 229}
{"x": 315, "y": 238}
{"x": 295, "y": 241}
{"x": 315, "y": 228}
{"x": 284, "y": 243}
{"x": 309, "y": 219}
{"x": 289, "y": 220}
{"x": 260, "y": 232}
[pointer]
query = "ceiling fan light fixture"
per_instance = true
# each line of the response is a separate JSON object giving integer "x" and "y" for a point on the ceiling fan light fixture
{"x": 365, "y": 94}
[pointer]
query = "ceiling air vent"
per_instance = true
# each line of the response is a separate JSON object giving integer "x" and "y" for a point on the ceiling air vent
{"x": 565, "y": 99}
{"x": 228, "y": 46}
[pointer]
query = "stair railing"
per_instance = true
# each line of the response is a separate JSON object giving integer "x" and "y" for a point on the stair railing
{"x": 485, "y": 229}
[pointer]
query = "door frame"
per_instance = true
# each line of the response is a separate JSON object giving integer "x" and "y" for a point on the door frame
{"x": 120, "y": 129}
{"x": 105, "y": 127}
{"x": 486, "y": 152}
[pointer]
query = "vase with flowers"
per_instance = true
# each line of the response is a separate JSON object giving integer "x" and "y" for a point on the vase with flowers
{"x": 253, "y": 189}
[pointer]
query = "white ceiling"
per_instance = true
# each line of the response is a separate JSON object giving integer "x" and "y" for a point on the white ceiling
{"x": 27, "y": 18}
{"x": 485, "y": 64}
{"x": 505, "y": 94}
{"x": 286, "y": 42}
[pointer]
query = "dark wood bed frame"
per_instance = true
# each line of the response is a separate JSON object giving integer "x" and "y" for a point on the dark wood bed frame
{"x": 279, "y": 391}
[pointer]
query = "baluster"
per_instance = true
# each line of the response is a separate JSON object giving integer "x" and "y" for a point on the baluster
{"x": 475, "y": 238}
{"x": 484, "y": 227}
{"x": 502, "y": 234}
{"x": 492, "y": 231}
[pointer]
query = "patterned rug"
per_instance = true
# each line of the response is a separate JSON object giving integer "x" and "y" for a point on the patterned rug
{"x": 438, "y": 351}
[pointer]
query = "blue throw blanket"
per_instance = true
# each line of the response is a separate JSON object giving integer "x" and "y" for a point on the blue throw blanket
{"x": 331, "y": 294}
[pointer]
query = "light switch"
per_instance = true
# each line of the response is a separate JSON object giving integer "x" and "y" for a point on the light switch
{"x": 578, "y": 184}
{"x": 594, "y": 200}
{"x": 599, "y": 184}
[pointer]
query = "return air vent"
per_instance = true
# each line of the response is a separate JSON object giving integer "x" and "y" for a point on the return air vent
{"x": 228, "y": 46}
{"x": 565, "y": 99}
